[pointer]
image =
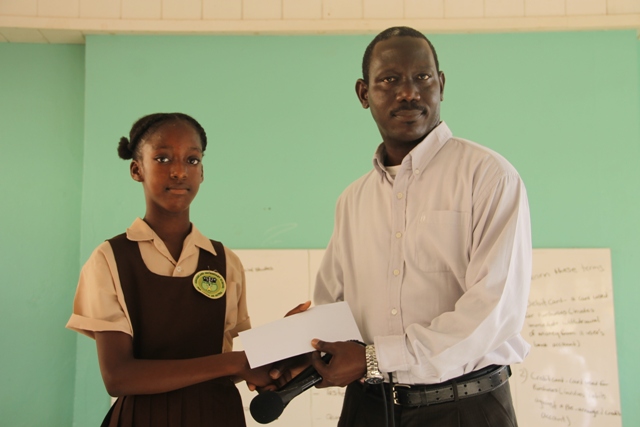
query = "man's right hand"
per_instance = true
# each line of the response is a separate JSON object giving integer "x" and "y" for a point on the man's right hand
{"x": 347, "y": 364}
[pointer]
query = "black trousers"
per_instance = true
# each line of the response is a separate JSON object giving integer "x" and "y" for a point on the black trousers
{"x": 364, "y": 407}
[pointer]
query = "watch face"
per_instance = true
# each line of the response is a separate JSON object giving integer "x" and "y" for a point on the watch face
{"x": 374, "y": 380}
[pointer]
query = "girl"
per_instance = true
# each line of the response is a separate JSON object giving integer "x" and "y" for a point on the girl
{"x": 162, "y": 301}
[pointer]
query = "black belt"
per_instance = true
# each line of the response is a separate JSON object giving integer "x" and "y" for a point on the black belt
{"x": 473, "y": 384}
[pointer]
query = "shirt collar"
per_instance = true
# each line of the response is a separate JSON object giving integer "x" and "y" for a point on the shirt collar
{"x": 140, "y": 231}
{"x": 421, "y": 155}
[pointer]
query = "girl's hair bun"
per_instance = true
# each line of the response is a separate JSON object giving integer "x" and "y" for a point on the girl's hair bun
{"x": 124, "y": 151}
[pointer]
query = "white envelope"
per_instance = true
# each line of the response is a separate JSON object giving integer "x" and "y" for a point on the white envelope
{"x": 292, "y": 335}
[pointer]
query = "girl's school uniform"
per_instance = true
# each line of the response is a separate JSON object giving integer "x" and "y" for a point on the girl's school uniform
{"x": 132, "y": 284}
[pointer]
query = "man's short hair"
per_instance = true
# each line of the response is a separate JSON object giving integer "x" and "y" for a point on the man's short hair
{"x": 386, "y": 35}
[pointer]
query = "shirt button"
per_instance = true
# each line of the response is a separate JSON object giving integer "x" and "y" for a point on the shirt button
{"x": 178, "y": 269}
{"x": 417, "y": 171}
{"x": 396, "y": 272}
{"x": 399, "y": 195}
{"x": 394, "y": 312}
{"x": 398, "y": 235}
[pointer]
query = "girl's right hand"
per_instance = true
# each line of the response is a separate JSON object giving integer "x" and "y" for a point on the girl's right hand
{"x": 258, "y": 378}
{"x": 285, "y": 370}
{"x": 276, "y": 377}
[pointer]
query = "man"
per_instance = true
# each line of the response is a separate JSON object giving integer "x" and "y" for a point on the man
{"x": 432, "y": 251}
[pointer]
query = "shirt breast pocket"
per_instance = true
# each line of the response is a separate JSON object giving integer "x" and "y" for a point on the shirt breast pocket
{"x": 442, "y": 241}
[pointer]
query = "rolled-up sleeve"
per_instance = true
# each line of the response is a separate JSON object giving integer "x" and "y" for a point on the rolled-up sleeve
{"x": 99, "y": 304}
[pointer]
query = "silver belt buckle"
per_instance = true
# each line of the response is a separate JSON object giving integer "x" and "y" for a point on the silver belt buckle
{"x": 395, "y": 393}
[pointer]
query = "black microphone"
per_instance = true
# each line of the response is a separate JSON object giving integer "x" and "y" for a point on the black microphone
{"x": 269, "y": 405}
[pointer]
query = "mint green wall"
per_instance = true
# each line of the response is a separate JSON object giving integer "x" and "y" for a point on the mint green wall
{"x": 41, "y": 125}
{"x": 287, "y": 135}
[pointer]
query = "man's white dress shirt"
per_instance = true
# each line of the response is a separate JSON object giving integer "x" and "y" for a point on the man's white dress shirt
{"x": 436, "y": 262}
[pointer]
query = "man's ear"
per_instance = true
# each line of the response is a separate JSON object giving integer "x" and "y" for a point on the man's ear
{"x": 441, "y": 78}
{"x": 135, "y": 170}
{"x": 362, "y": 90}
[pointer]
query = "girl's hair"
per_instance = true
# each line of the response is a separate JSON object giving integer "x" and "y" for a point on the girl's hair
{"x": 145, "y": 126}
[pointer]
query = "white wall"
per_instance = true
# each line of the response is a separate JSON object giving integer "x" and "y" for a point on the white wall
{"x": 68, "y": 21}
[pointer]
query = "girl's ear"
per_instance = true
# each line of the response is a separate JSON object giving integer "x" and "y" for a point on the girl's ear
{"x": 135, "y": 170}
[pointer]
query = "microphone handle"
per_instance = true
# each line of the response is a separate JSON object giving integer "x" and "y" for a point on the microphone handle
{"x": 303, "y": 381}
{"x": 268, "y": 406}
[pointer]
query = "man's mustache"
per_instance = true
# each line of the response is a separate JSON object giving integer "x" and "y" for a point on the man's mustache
{"x": 410, "y": 107}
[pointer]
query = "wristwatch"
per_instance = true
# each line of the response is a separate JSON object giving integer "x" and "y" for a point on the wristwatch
{"x": 373, "y": 375}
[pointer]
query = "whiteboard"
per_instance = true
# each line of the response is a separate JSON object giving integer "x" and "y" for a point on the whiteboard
{"x": 277, "y": 281}
{"x": 570, "y": 378}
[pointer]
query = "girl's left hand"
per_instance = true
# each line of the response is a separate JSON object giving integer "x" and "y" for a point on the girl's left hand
{"x": 298, "y": 308}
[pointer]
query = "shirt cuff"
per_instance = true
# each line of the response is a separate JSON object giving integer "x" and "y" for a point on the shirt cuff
{"x": 391, "y": 353}
{"x": 394, "y": 356}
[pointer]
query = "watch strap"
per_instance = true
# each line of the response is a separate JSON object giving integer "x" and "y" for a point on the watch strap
{"x": 373, "y": 375}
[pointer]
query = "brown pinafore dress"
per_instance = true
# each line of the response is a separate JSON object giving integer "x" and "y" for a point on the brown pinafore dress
{"x": 171, "y": 320}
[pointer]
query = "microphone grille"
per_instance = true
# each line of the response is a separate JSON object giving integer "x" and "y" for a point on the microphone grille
{"x": 266, "y": 407}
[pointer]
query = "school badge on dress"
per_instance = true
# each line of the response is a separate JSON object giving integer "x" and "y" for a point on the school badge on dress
{"x": 209, "y": 283}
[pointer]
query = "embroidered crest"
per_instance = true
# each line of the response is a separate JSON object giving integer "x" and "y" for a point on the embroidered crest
{"x": 210, "y": 284}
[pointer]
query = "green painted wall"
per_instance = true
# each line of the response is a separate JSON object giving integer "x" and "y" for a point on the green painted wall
{"x": 287, "y": 135}
{"x": 41, "y": 125}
